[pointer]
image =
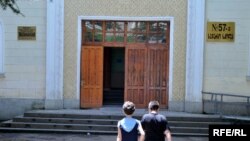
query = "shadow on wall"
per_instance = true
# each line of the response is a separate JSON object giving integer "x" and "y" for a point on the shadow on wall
{"x": 10, "y": 107}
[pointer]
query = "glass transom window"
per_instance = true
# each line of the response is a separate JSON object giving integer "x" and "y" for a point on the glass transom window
{"x": 148, "y": 32}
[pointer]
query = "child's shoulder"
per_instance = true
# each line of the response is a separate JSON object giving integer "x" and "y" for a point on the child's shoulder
{"x": 138, "y": 121}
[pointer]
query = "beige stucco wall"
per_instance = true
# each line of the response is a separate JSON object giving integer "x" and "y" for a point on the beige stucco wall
{"x": 226, "y": 64}
{"x": 24, "y": 61}
{"x": 134, "y": 8}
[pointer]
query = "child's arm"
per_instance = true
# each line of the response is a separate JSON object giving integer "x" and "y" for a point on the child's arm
{"x": 168, "y": 135}
{"x": 119, "y": 133}
{"x": 141, "y": 131}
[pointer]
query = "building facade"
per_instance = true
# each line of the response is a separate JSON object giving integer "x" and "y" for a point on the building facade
{"x": 90, "y": 54}
{"x": 226, "y": 63}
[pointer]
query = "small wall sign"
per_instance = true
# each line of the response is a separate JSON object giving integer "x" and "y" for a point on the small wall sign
{"x": 220, "y": 31}
{"x": 26, "y": 33}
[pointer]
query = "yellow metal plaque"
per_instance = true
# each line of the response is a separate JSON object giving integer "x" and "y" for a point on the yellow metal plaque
{"x": 220, "y": 31}
{"x": 26, "y": 33}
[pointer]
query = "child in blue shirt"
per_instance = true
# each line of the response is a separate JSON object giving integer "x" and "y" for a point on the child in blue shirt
{"x": 129, "y": 127}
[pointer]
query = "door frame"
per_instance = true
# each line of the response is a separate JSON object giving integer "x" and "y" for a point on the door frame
{"x": 116, "y": 18}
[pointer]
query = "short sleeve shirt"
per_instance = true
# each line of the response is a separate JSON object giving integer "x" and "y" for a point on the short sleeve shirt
{"x": 154, "y": 126}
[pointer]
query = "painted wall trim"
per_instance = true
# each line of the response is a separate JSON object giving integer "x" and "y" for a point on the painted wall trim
{"x": 54, "y": 54}
{"x": 194, "y": 51}
{"x": 117, "y": 18}
{"x": 2, "y": 46}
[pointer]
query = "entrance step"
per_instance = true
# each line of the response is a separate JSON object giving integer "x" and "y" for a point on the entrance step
{"x": 100, "y": 124}
{"x": 113, "y": 97}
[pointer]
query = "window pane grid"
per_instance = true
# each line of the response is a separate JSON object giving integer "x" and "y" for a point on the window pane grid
{"x": 152, "y": 32}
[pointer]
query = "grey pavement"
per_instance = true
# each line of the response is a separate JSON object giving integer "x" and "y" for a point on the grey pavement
{"x": 74, "y": 137}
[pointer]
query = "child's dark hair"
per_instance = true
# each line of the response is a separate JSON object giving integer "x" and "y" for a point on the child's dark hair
{"x": 128, "y": 107}
{"x": 153, "y": 105}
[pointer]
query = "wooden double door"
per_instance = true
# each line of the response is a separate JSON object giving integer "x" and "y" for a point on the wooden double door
{"x": 146, "y": 75}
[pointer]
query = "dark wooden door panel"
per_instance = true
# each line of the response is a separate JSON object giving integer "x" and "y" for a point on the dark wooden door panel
{"x": 158, "y": 75}
{"x": 91, "y": 76}
{"x": 135, "y": 74}
{"x": 146, "y": 74}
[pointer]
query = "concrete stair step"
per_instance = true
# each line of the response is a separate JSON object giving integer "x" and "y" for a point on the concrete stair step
{"x": 100, "y": 124}
{"x": 194, "y": 123}
{"x": 60, "y": 126}
{"x": 27, "y": 125}
{"x": 35, "y": 130}
{"x": 190, "y": 134}
{"x": 189, "y": 130}
{"x": 195, "y": 119}
{"x": 65, "y": 120}
{"x": 87, "y": 132}
{"x": 73, "y": 116}
{"x": 105, "y": 121}
{"x": 113, "y": 97}
{"x": 6, "y": 123}
{"x": 117, "y": 117}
